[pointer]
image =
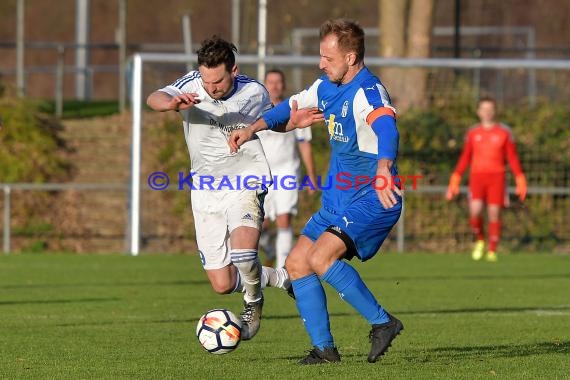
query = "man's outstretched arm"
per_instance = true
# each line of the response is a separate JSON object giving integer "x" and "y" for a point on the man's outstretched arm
{"x": 161, "y": 101}
{"x": 298, "y": 118}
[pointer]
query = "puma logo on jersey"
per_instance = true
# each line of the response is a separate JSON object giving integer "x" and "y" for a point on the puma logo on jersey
{"x": 346, "y": 221}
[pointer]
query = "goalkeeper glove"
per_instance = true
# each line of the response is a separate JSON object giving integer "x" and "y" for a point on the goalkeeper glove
{"x": 521, "y": 186}
{"x": 453, "y": 188}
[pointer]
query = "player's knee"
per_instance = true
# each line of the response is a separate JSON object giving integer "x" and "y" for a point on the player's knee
{"x": 222, "y": 286}
{"x": 318, "y": 263}
{"x": 296, "y": 264}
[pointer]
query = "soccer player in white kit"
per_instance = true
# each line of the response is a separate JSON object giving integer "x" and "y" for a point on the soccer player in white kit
{"x": 281, "y": 201}
{"x": 227, "y": 188}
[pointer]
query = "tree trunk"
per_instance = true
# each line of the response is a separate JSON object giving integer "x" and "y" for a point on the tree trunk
{"x": 418, "y": 46}
{"x": 392, "y": 26}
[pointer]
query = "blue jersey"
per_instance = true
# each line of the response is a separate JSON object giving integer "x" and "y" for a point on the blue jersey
{"x": 350, "y": 110}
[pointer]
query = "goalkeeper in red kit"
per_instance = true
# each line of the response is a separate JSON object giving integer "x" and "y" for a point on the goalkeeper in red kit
{"x": 487, "y": 144}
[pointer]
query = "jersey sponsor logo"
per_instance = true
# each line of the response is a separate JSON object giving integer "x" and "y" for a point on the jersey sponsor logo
{"x": 335, "y": 129}
{"x": 344, "y": 108}
{"x": 225, "y": 129}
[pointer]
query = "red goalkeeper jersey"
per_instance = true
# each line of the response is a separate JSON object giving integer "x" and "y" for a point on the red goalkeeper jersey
{"x": 486, "y": 149}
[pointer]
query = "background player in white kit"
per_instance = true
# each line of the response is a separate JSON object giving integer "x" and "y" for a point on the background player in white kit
{"x": 281, "y": 203}
{"x": 213, "y": 101}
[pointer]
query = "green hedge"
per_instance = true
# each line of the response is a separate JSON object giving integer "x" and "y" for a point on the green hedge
{"x": 32, "y": 150}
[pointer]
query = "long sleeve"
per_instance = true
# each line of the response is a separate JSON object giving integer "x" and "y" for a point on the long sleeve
{"x": 513, "y": 157}
{"x": 465, "y": 157}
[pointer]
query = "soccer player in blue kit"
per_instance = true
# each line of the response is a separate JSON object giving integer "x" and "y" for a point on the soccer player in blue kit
{"x": 353, "y": 220}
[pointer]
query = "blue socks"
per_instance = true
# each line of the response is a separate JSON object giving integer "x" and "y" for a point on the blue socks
{"x": 347, "y": 282}
{"x": 312, "y": 305}
{"x": 312, "y": 301}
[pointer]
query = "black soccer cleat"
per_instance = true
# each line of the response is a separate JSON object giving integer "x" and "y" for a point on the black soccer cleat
{"x": 381, "y": 337}
{"x": 317, "y": 356}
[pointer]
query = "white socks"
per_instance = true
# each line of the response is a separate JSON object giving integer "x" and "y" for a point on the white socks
{"x": 275, "y": 278}
{"x": 283, "y": 245}
{"x": 270, "y": 277}
{"x": 249, "y": 268}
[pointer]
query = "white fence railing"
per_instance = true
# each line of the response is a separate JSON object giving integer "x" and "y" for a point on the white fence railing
{"x": 9, "y": 188}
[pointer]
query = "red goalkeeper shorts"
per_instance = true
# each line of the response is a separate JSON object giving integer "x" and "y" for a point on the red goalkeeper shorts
{"x": 488, "y": 187}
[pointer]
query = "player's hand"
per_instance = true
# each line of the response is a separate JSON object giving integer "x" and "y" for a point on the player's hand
{"x": 238, "y": 138}
{"x": 385, "y": 188}
{"x": 305, "y": 117}
{"x": 521, "y": 188}
{"x": 184, "y": 101}
{"x": 453, "y": 187}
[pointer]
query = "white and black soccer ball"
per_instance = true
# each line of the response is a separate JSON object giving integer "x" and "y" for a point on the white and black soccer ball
{"x": 219, "y": 331}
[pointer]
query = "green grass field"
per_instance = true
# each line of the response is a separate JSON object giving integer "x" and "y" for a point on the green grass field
{"x": 114, "y": 317}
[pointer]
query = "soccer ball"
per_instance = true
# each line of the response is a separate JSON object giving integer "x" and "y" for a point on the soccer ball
{"x": 219, "y": 331}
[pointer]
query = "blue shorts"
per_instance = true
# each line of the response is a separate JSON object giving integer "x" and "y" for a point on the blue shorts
{"x": 363, "y": 225}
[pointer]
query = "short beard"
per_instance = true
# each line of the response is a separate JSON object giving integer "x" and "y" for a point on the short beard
{"x": 337, "y": 81}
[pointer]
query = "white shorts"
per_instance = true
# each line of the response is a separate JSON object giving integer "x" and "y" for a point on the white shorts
{"x": 217, "y": 214}
{"x": 280, "y": 201}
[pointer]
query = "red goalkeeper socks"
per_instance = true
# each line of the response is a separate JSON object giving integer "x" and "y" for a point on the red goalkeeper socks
{"x": 477, "y": 227}
{"x": 494, "y": 235}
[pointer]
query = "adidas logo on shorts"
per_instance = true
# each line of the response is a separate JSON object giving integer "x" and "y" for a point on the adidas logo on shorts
{"x": 247, "y": 217}
{"x": 336, "y": 228}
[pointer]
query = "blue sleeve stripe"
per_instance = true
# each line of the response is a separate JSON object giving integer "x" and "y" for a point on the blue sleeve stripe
{"x": 179, "y": 83}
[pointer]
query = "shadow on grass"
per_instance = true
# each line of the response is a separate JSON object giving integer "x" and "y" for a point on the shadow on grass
{"x": 174, "y": 320}
{"x": 41, "y": 302}
{"x": 477, "y": 277}
{"x": 480, "y": 352}
{"x": 125, "y": 322}
{"x": 143, "y": 282}
{"x": 522, "y": 309}
{"x": 296, "y": 316}
{"x": 472, "y": 353}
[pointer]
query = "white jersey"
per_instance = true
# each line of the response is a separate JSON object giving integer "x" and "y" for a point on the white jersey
{"x": 208, "y": 124}
{"x": 281, "y": 151}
